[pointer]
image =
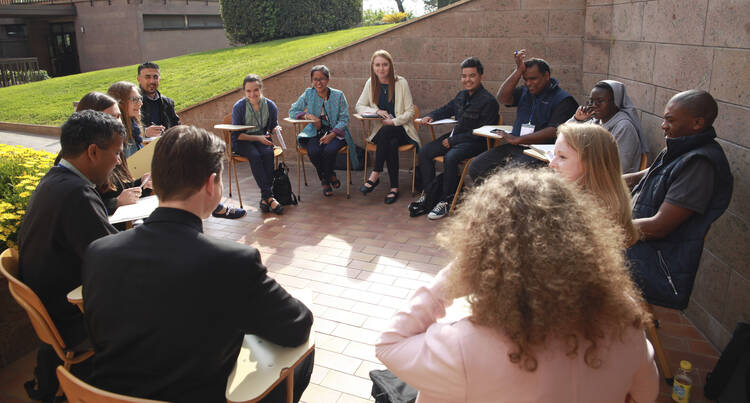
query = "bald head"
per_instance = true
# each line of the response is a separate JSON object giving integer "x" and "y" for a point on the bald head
{"x": 697, "y": 104}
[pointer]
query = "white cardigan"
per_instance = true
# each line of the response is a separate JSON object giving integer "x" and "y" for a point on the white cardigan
{"x": 403, "y": 106}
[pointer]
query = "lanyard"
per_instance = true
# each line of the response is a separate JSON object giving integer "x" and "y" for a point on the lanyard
{"x": 258, "y": 117}
{"x": 533, "y": 106}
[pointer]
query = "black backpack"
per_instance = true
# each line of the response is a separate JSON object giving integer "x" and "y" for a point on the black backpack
{"x": 730, "y": 379}
{"x": 387, "y": 388}
{"x": 282, "y": 187}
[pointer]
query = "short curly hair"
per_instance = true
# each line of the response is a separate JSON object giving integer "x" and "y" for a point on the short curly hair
{"x": 543, "y": 263}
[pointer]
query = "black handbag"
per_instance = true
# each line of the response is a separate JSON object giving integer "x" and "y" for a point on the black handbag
{"x": 387, "y": 388}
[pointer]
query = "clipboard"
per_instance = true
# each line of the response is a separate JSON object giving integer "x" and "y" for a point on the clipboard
{"x": 140, "y": 162}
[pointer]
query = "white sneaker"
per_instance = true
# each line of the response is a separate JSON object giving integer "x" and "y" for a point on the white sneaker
{"x": 439, "y": 211}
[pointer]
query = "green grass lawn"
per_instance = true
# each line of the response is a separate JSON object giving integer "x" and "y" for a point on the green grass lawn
{"x": 187, "y": 79}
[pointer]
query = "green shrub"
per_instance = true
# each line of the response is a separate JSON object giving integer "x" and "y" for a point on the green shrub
{"x": 373, "y": 17}
{"x": 20, "y": 171}
{"x": 250, "y": 21}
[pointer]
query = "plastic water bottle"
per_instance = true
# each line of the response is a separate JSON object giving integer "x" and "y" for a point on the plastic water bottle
{"x": 682, "y": 383}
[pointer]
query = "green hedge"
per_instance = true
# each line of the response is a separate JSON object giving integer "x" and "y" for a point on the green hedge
{"x": 250, "y": 21}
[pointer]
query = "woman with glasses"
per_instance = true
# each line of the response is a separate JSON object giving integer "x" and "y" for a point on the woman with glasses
{"x": 130, "y": 101}
{"x": 121, "y": 189}
{"x": 609, "y": 106}
{"x": 329, "y": 131}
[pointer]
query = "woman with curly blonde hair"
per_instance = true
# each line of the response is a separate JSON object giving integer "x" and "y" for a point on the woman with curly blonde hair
{"x": 554, "y": 313}
{"x": 587, "y": 154}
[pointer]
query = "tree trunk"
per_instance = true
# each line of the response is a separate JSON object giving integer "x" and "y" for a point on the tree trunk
{"x": 400, "y": 5}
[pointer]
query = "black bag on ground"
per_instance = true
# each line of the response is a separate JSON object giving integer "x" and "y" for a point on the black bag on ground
{"x": 730, "y": 379}
{"x": 341, "y": 160}
{"x": 433, "y": 192}
{"x": 387, "y": 388}
{"x": 282, "y": 187}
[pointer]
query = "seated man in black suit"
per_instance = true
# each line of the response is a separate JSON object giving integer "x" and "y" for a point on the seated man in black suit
{"x": 166, "y": 306}
{"x": 688, "y": 186}
{"x": 64, "y": 215}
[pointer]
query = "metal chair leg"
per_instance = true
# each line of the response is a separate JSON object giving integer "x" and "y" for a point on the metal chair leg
{"x": 299, "y": 175}
{"x": 348, "y": 174}
{"x": 229, "y": 175}
{"x": 413, "y": 169}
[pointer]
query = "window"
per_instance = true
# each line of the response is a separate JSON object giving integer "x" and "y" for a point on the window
{"x": 155, "y": 22}
{"x": 204, "y": 21}
{"x": 17, "y": 31}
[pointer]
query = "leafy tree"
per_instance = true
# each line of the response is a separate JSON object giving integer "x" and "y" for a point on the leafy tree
{"x": 249, "y": 21}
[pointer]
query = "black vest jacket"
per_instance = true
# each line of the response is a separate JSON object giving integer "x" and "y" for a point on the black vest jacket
{"x": 655, "y": 262}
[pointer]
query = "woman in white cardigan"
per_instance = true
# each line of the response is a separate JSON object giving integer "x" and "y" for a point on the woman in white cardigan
{"x": 389, "y": 97}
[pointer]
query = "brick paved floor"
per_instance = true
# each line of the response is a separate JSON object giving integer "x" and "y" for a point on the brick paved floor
{"x": 362, "y": 259}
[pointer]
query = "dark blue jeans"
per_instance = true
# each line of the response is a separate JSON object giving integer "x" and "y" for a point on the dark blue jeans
{"x": 323, "y": 156}
{"x": 261, "y": 163}
{"x": 493, "y": 159}
{"x": 453, "y": 156}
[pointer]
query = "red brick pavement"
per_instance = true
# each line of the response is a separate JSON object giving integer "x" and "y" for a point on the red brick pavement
{"x": 362, "y": 258}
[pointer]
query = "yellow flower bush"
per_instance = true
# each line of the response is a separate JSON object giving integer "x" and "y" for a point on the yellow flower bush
{"x": 21, "y": 169}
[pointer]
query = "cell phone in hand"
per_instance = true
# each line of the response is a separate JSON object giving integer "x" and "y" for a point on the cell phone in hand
{"x": 497, "y": 131}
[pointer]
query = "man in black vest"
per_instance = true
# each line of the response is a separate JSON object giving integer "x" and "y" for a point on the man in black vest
{"x": 541, "y": 106}
{"x": 687, "y": 188}
{"x": 64, "y": 215}
{"x": 167, "y": 307}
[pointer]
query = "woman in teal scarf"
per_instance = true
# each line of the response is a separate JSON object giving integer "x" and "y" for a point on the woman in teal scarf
{"x": 255, "y": 144}
{"x": 329, "y": 132}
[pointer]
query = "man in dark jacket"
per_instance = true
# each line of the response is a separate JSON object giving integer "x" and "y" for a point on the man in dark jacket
{"x": 156, "y": 110}
{"x": 167, "y": 307}
{"x": 472, "y": 107}
{"x": 687, "y": 188}
{"x": 541, "y": 106}
{"x": 64, "y": 215}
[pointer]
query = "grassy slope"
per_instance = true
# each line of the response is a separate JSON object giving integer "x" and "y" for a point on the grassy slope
{"x": 187, "y": 79}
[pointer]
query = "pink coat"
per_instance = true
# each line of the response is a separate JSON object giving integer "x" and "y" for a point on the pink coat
{"x": 463, "y": 362}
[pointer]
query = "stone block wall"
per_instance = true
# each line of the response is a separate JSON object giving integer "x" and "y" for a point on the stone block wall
{"x": 658, "y": 48}
{"x": 427, "y": 52}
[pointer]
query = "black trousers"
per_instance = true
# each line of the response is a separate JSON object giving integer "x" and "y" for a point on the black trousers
{"x": 453, "y": 156}
{"x": 260, "y": 157}
{"x": 323, "y": 156}
{"x": 495, "y": 158}
{"x": 389, "y": 139}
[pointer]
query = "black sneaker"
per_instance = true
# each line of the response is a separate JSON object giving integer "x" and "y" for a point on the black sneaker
{"x": 439, "y": 211}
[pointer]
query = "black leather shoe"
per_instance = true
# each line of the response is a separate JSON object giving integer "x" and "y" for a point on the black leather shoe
{"x": 365, "y": 189}
{"x": 391, "y": 197}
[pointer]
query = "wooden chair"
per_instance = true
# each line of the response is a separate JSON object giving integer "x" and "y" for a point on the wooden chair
{"x": 466, "y": 162}
{"x": 40, "y": 319}
{"x": 301, "y": 152}
{"x": 644, "y": 161}
{"x": 371, "y": 147}
{"x": 661, "y": 357}
{"x": 77, "y": 391}
{"x": 233, "y": 158}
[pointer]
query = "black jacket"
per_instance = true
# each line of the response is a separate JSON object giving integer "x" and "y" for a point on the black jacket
{"x": 471, "y": 112}
{"x": 167, "y": 308}
{"x": 167, "y": 116}
{"x": 64, "y": 215}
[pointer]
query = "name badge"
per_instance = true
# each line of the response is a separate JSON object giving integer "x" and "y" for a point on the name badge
{"x": 527, "y": 128}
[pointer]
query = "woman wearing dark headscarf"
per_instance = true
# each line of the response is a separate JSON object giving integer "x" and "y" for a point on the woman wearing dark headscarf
{"x": 610, "y": 107}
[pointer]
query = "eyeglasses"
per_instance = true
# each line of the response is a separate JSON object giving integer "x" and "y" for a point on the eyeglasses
{"x": 136, "y": 99}
{"x": 596, "y": 101}
{"x": 317, "y": 80}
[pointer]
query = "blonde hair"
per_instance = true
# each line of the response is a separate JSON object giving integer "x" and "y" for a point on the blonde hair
{"x": 543, "y": 263}
{"x": 121, "y": 91}
{"x": 374, "y": 78}
{"x": 602, "y": 175}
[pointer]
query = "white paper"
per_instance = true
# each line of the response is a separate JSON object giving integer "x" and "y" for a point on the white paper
{"x": 443, "y": 122}
{"x": 141, "y": 209}
{"x": 280, "y": 137}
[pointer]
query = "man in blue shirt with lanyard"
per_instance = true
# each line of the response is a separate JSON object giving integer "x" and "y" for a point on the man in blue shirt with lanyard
{"x": 542, "y": 106}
